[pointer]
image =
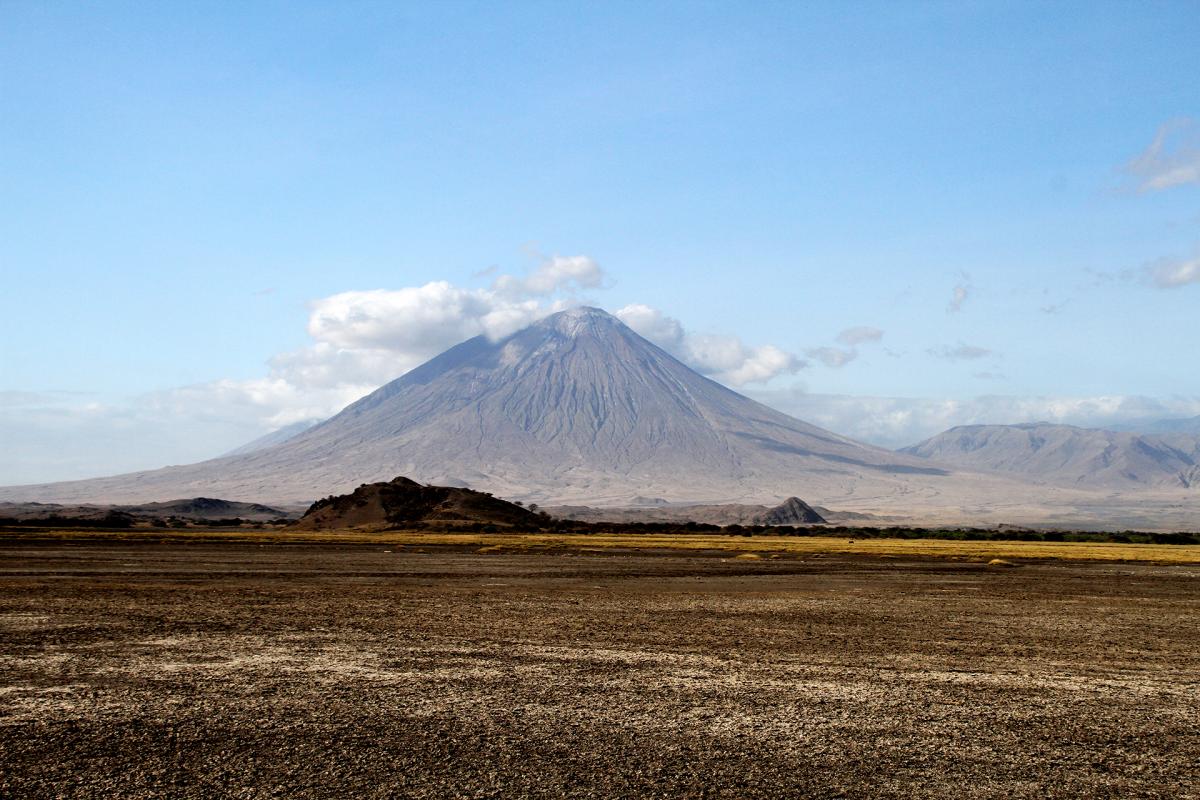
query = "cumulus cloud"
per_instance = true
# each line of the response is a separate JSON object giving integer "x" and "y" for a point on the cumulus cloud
{"x": 861, "y": 334}
{"x": 730, "y": 361}
{"x": 1170, "y": 273}
{"x": 900, "y": 421}
{"x": 418, "y": 321}
{"x": 652, "y": 324}
{"x": 961, "y": 352}
{"x": 724, "y": 358}
{"x": 363, "y": 339}
{"x": 554, "y": 274}
{"x": 1172, "y": 159}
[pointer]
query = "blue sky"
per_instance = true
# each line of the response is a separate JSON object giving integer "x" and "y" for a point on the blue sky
{"x": 185, "y": 186}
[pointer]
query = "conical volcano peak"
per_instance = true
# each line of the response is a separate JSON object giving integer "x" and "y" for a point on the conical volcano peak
{"x": 575, "y": 408}
{"x": 581, "y": 321}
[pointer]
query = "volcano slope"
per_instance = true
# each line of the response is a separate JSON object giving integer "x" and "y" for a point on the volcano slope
{"x": 578, "y": 409}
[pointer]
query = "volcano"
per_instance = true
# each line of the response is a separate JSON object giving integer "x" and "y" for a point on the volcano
{"x": 576, "y": 408}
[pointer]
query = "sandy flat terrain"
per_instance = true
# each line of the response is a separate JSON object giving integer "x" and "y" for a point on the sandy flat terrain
{"x": 205, "y": 669}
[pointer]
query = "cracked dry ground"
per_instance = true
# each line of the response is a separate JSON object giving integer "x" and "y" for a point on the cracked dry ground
{"x": 161, "y": 670}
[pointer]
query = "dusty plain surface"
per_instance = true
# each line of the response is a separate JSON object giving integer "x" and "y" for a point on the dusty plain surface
{"x": 252, "y": 669}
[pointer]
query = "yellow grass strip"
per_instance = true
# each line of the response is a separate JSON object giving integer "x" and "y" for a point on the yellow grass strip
{"x": 734, "y": 545}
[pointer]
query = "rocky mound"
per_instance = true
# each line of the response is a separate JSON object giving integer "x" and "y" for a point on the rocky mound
{"x": 792, "y": 511}
{"x": 401, "y": 502}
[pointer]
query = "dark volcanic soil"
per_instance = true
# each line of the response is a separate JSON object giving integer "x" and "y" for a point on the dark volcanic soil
{"x": 162, "y": 670}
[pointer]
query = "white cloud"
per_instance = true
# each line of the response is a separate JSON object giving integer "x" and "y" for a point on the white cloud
{"x": 554, "y": 274}
{"x": 861, "y": 334}
{"x": 652, "y": 324}
{"x": 371, "y": 337}
{"x": 1172, "y": 273}
{"x": 730, "y": 361}
{"x": 364, "y": 339}
{"x": 724, "y": 358}
{"x": 900, "y": 421}
{"x": 1172, "y": 159}
{"x": 419, "y": 320}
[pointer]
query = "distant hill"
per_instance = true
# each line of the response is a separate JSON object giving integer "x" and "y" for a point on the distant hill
{"x": 1069, "y": 456}
{"x": 401, "y": 502}
{"x": 198, "y": 510}
{"x": 206, "y": 508}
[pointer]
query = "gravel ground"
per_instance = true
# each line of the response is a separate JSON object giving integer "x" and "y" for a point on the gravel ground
{"x": 233, "y": 670}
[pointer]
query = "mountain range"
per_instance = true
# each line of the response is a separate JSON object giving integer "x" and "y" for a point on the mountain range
{"x": 1065, "y": 455}
{"x": 579, "y": 409}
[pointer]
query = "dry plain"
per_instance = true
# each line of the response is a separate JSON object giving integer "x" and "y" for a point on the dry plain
{"x": 408, "y": 666}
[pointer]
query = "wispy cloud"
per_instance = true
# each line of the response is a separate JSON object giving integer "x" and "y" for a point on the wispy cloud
{"x": 1172, "y": 159}
{"x": 958, "y": 298}
{"x": 961, "y": 352}
{"x": 860, "y": 334}
{"x": 834, "y": 357}
{"x": 838, "y": 357}
{"x": 1164, "y": 273}
{"x": 1172, "y": 273}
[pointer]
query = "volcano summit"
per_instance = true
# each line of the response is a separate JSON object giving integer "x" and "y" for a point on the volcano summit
{"x": 576, "y": 408}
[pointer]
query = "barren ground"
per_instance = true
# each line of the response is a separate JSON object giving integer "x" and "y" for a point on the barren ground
{"x": 209, "y": 669}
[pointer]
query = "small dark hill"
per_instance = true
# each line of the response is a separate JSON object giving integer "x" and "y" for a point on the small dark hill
{"x": 207, "y": 508}
{"x": 400, "y": 502}
{"x": 195, "y": 510}
{"x": 792, "y": 511}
